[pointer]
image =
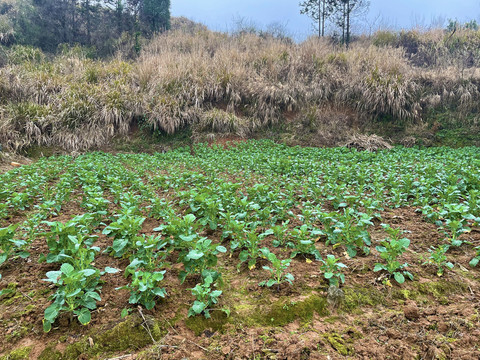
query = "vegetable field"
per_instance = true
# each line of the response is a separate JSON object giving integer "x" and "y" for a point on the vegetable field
{"x": 252, "y": 250}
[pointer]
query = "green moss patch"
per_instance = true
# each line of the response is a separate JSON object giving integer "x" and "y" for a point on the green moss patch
{"x": 441, "y": 290}
{"x": 18, "y": 354}
{"x": 127, "y": 335}
{"x": 198, "y": 324}
{"x": 339, "y": 344}
{"x": 356, "y": 297}
{"x": 284, "y": 312}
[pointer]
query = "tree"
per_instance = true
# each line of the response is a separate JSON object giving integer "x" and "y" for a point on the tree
{"x": 155, "y": 15}
{"x": 319, "y": 11}
{"x": 345, "y": 10}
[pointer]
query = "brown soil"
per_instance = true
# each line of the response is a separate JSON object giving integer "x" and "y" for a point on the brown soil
{"x": 429, "y": 318}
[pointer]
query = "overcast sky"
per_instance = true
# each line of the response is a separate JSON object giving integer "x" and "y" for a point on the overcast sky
{"x": 221, "y": 14}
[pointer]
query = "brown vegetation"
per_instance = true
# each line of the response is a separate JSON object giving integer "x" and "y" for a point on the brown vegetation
{"x": 238, "y": 85}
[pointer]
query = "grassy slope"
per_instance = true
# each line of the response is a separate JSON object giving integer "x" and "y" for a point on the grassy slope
{"x": 410, "y": 87}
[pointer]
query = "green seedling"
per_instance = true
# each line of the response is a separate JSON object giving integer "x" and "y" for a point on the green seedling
{"x": 277, "y": 270}
{"x": 390, "y": 249}
{"x": 77, "y": 293}
{"x": 9, "y": 246}
{"x": 144, "y": 288}
{"x": 303, "y": 242}
{"x": 124, "y": 231}
{"x": 332, "y": 270}
{"x": 202, "y": 256}
{"x": 205, "y": 298}
{"x": 438, "y": 258}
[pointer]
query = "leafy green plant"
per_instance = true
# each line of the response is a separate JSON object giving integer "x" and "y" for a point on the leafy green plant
{"x": 9, "y": 246}
{"x": 456, "y": 228}
{"x": 205, "y": 298}
{"x": 144, "y": 288}
{"x": 64, "y": 240}
{"x": 332, "y": 270}
{"x": 390, "y": 249}
{"x": 474, "y": 262}
{"x": 72, "y": 248}
{"x": 302, "y": 241}
{"x": 277, "y": 270}
{"x": 202, "y": 256}
{"x": 280, "y": 232}
{"x": 438, "y": 258}
{"x": 148, "y": 251}
{"x": 124, "y": 231}
{"x": 252, "y": 251}
{"x": 77, "y": 293}
{"x": 181, "y": 230}
{"x": 351, "y": 231}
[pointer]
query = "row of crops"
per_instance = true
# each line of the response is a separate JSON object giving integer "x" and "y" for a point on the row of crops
{"x": 248, "y": 201}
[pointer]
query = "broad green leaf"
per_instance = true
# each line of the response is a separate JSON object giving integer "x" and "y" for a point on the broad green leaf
{"x": 221, "y": 249}
{"x": 84, "y": 316}
{"x": 271, "y": 282}
{"x": 378, "y": 267}
{"x": 47, "y": 326}
{"x": 474, "y": 262}
{"x": 110, "y": 270}
{"x": 124, "y": 313}
{"x": 88, "y": 272}
{"x": 399, "y": 277}
{"x": 67, "y": 269}
{"x": 188, "y": 238}
{"x": 194, "y": 255}
{"x": 198, "y": 307}
{"x": 51, "y": 312}
{"x": 53, "y": 276}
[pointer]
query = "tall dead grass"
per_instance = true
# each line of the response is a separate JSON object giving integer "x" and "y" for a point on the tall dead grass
{"x": 215, "y": 83}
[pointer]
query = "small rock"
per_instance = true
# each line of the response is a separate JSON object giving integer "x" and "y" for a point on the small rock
{"x": 335, "y": 296}
{"x": 15, "y": 164}
{"x": 411, "y": 311}
{"x": 226, "y": 350}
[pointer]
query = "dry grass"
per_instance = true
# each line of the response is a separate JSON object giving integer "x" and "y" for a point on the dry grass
{"x": 367, "y": 143}
{"x": 222, "y": 84}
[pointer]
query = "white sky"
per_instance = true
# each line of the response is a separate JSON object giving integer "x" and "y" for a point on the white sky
{"x": 221, "y": 14}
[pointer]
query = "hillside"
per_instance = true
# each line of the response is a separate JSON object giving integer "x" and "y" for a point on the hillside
{"x": 415, "y": 88}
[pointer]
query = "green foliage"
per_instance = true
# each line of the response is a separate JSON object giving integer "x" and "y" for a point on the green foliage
{"x": 65, "y": 241}
{"x": 124, "y": 231}
{"x": 438, "y": 258}
{"x": 205, "y": 297}
{"x": 252, "y": 251}
{"x": 203, "y": 205}
{"x": 474, "y": 262}
{"x": 390, "y": 250}
{"x": 349, "y": 230}
{"x": 9, "y": 246}
{"x": 148, "y": 252}
{"x": 303, "y": 241}
{"x": 144, "y": 288}
{"x": 77, "y": 293}
{"x": 96, "y": 25}
{"x": 280, "y": 232}
{"x": 201, "y": 256}
{"x": 277, "y": 271}
{"x": 20, "y": 54}
{"x": 332, "y": 270}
